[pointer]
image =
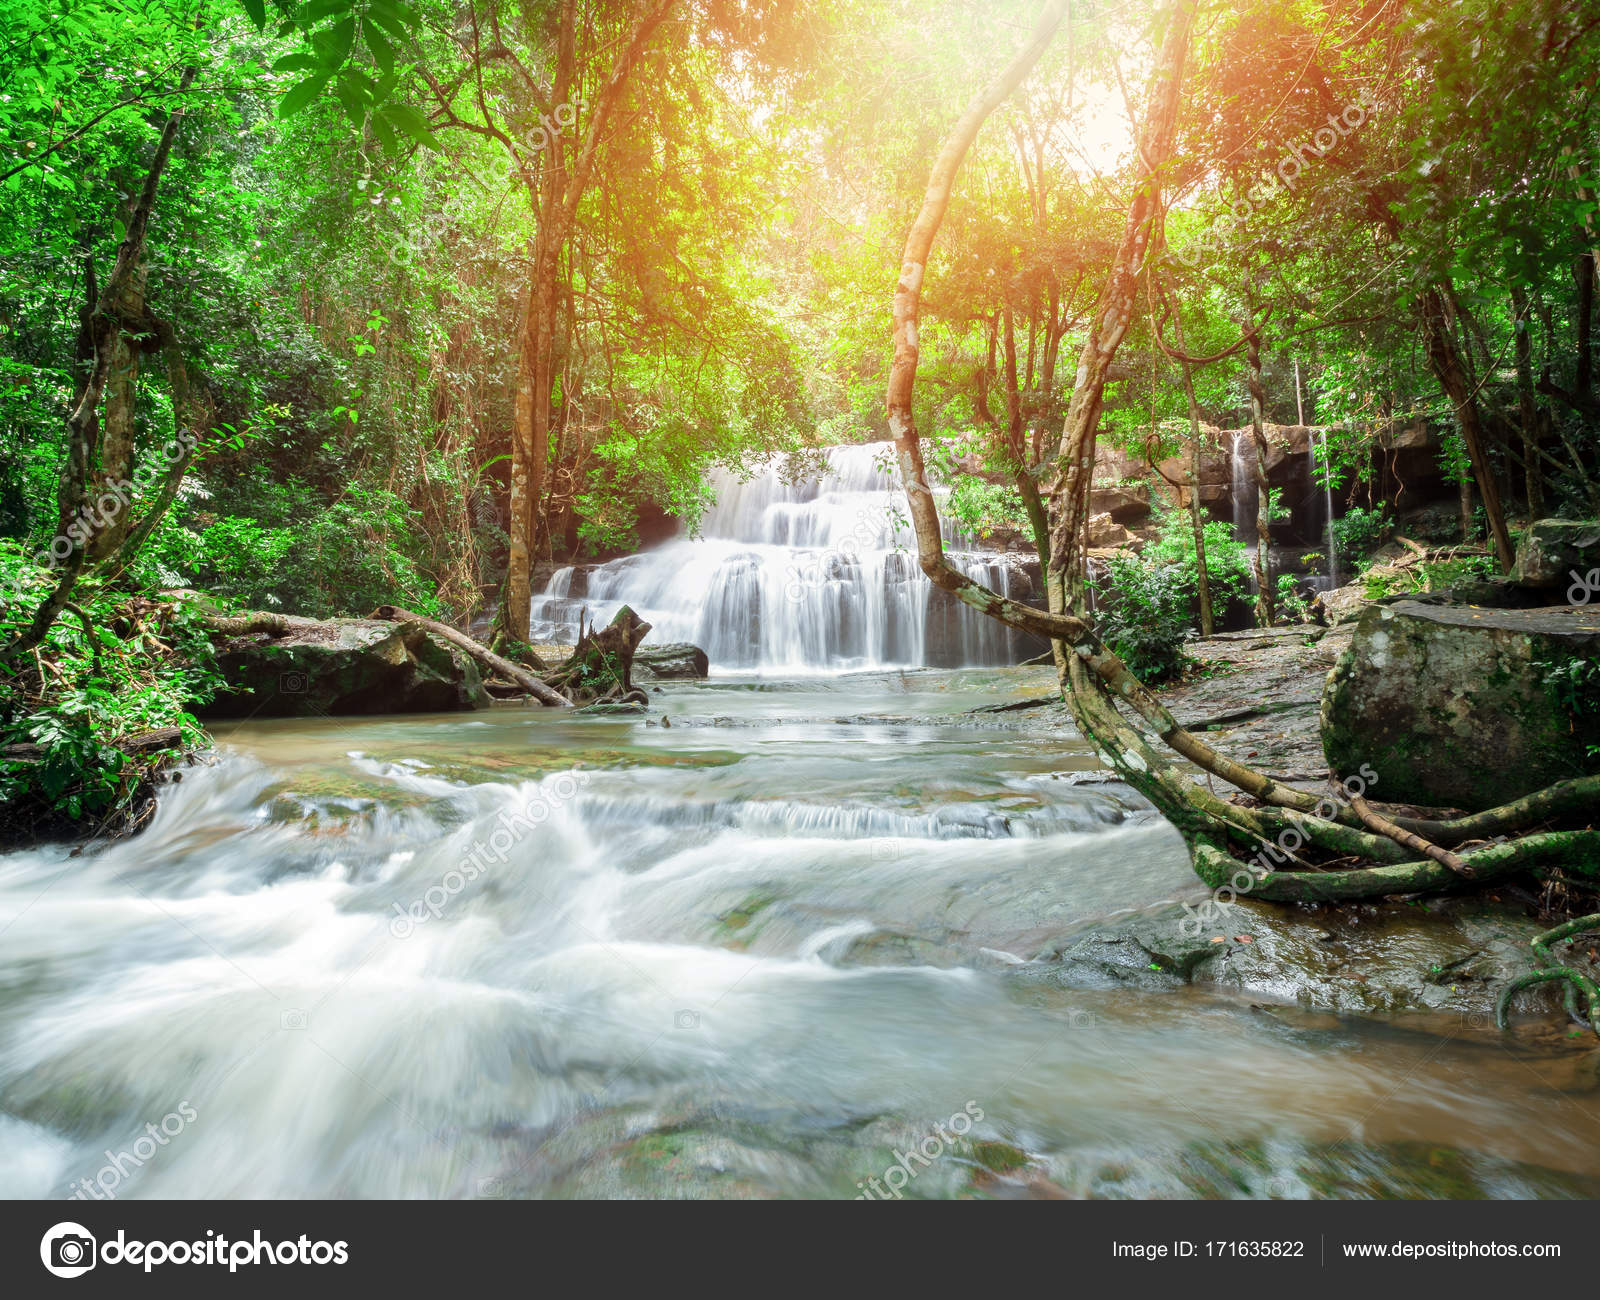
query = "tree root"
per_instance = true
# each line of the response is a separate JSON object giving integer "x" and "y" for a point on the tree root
{"x": 1578, "y": 798}
{"x": 1575, "y": 851}
{"x": 1576, "y": 984}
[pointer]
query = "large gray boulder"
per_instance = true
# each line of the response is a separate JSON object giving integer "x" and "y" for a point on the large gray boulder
{"x": 1468, "y": 708}
{"x": 673, "y": 660}
{"x": 1559, "y": 555}
{"x": 343, "y": 666}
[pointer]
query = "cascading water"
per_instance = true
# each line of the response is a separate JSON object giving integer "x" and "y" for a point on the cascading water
{"x": 1319, "y": 456}
{"x": 1244, "y": 489}
{"x": 818, "y": 574}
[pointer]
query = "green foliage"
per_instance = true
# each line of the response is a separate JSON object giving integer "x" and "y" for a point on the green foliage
{"x": 1573, "y": 684}
{"x": 1142, "y": 613}
{"x": 1430, "y": 575}
{"x": 1359, "y": 531}
{"x": 1290, "y": 604}
{"x": 94, "y": 694}
{"x": 1228, "y": 562}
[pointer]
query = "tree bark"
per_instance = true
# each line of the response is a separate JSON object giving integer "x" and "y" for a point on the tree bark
{"x": 1444, "y": 357}
{"x": 102, "y": 327}
{"x": 1017, "y": 451}
{"x": 510, "y": 671}
{"x": 1258, "y": 430}
{"x": 1533, "y": 477}
{"x": 112, "y": 476}
{"x": 1069, "y": 500}
{"x": 559, "y": 196}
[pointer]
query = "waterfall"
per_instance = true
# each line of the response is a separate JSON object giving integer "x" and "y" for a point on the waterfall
{"x": 1319, "y": 454}
{"x": 787, "y": 576}
{"x": 1244, "y": 489}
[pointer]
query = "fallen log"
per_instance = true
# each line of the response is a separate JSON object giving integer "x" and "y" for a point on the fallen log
{"x": 534, "y": 686}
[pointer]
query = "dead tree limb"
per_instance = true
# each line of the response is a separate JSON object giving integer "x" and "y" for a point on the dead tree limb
{"x": 534, "y": 686}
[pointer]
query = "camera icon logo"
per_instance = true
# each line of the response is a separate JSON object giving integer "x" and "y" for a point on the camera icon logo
{"x": 293, "y": 683}
{"x": 68, "y": 1250}
{"x": 686, "y": 1020}
{"x": 293, "y": 1018}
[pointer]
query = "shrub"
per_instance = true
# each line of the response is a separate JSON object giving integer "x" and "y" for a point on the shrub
{"x": 1143, "y": 615}
{"x": 1359, "y": 532}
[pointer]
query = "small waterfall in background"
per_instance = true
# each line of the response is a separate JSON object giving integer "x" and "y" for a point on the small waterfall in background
{"x": 1319, "y": 456}
{"x": 1244, "y": 489}
{"x": 818, "y": 574}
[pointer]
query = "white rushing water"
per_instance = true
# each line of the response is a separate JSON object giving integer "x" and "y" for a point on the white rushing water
{"x": 795, "y": 577}
{"x": 527, "y": 954}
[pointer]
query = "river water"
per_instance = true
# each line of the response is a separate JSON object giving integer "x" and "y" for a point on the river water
{"x": 772, "y": 949}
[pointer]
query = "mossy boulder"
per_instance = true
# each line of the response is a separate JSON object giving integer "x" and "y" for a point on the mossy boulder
{"x": 1455, "y": 706}
{"x": 343, "y": 666}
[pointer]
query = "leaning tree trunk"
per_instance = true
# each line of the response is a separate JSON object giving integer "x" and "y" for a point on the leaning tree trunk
{"x": 1444, "y": 357}
{"x": 1017, "y": 451}
{"x": 103, "y": 326}
{"x": 534, "y": 686}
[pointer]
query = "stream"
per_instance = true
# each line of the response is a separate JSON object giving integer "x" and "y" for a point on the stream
{"x": 797, "y": 939}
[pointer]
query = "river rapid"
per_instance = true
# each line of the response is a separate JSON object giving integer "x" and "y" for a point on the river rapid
{"x": 799, "y": 942}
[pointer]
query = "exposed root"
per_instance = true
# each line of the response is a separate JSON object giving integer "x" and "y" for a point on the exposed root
{"x": 1578, "y": 799}
{"x": 1580, "y": 993}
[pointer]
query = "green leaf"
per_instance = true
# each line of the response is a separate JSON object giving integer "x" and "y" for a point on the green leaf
{"x": 352, "y": 99}
{"x": 382, "y": 51}
{"x": 257, "y": 9}
{"x": 302, "y": 93}
{"x": 295, "y": 63}
{"x": 410, "y": 120}
{"x": 389, "y": 20}
{"x": 384, "y": 132}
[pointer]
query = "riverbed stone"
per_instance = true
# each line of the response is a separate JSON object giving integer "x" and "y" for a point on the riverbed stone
{"x": 1447, "y": 957}
{"x": 1459, "y": 707}
{"x": 343, "y": 666}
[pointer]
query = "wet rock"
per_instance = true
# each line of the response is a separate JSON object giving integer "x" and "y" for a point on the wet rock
{"x": 1461, "y": 707}
{"x": 1373, "y": 959}
{"x": 1105, "y": 532}
{"x": 673, "y": 661}
{"x": 343, "y": 666}
{"x": 1343, "y": 604}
